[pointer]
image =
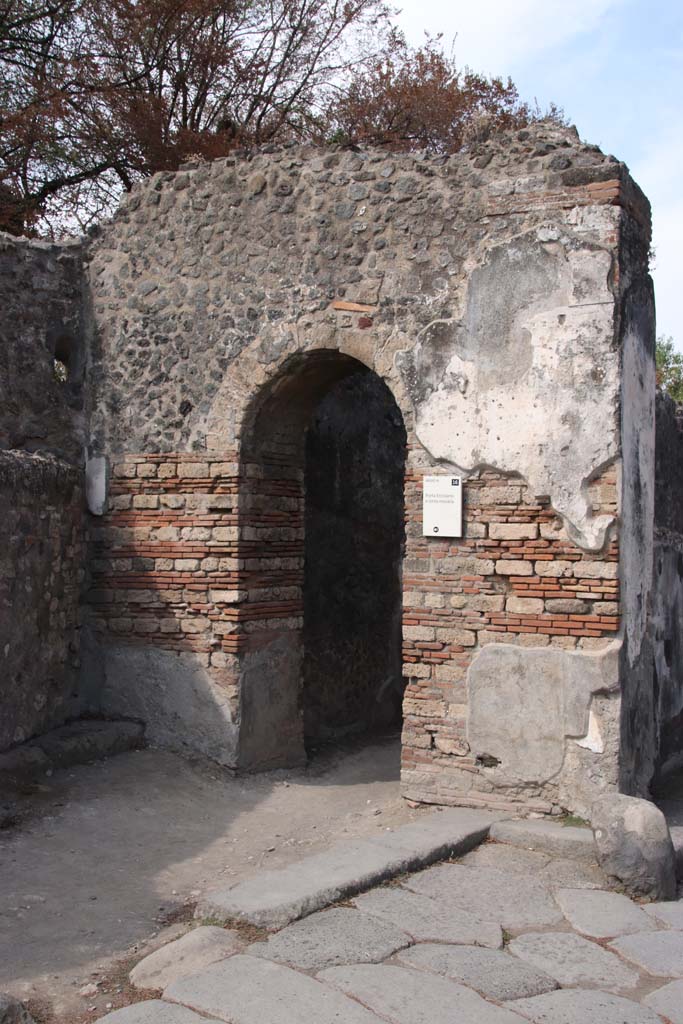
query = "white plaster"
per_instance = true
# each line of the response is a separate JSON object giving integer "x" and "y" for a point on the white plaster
{"x": 551, "y": 416}
{"x": 593, "y": 740}
{"x": 96, "y": 483}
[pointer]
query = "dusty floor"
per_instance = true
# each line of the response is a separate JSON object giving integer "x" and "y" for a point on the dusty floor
{"x": 120, "y": 847}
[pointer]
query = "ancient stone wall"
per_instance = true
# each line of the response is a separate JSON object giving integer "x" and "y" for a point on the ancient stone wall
{"x": 41, "y": 572}
{"x": 41, "y": 488}
{"x": 666, "y": 617}
{"x": 488, "y": 292}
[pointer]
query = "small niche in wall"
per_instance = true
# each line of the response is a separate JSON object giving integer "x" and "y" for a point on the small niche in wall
{"x": 60, "y": 371}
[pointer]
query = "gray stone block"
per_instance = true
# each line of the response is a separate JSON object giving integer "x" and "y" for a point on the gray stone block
{"x": 572, "y": 960}
{"x": 670, "y": 913}
{"x": 577, "y": 1006}
{"x": 489, "y": 894}
{"x": 493, "y": 973}
{"x": 634, "y": 845}
{"x": 154, "y": 1011}
{"x": 337, "y": 936}
{"x": 426, "y": 920}
{"x": 602, "y": 915}
{"x": 668, "y": 1000}
{"x": 547, "y": 837}
{"x": 658, "y": 953}
{"x": 411, "y": 997}
{"x": 274, "y": 898}
{"x": 13, "y": 1012}
{"x": 187, "y": 955}
{"x": 248, "y": 990}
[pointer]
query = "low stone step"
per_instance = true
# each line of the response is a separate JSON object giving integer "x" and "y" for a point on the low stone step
{"x": 76, "y": 743}
{"x": 548, "y": 837}
{"x": 274, "y": 898}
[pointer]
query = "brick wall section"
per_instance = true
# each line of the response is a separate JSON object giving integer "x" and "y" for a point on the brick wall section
{"x": 198, "y": 553}
{"x": 515, "y": 577}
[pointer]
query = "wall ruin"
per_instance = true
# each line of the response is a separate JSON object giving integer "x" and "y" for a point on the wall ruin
{"x": 500, "y": 298}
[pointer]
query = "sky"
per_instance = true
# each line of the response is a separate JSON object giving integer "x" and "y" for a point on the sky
{"x": 616, "y": 69}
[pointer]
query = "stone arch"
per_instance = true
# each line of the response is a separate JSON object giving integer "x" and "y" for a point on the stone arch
{"x": 321, "y": 540}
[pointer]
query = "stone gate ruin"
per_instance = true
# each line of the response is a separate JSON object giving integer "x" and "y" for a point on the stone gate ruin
{"x": 265, "y": 355}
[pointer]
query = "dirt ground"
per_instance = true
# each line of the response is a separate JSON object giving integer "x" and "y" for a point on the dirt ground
{"x": 116, "y": 850}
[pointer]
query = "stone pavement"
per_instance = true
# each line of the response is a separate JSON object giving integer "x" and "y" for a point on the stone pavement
{"x": 504, "y": 935}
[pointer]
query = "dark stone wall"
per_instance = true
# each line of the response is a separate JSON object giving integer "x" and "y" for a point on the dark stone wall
{"x": 41, "y": 484}
{"x": 41, "y": 567}
{"x": 355, "y": 454}
{"x": 666, "y": 620}
{"x": 41, "y": 296}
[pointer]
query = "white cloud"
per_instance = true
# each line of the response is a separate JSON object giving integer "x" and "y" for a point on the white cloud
{"x": 498, "y": 35}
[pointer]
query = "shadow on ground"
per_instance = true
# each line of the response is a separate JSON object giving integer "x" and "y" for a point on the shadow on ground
{"x": 118, "y": 846}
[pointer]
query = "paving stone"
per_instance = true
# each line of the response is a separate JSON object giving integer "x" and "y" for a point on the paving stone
{"x": 668, "y": 1001}
{"x": 427, "y": 920}
{"x": 248, "y": 990}
{"x": 602, "y": 915}
{"x": 578, "y": 1006}
{"x": 569, "y": 873}
{"x": 410, "y": 997}
{"x": 547, "y": 837}
{"x": 274, "y": 898}
{"x": 12, "y": 1011}
{"x": 489, "y": 894}
{"x": 504, "y": 857}
{"x": 572, "y": 960}
{"x": 194, "y": 951}
{"x": 670, "y": 913}
{"x": 337, "y": 936}
{"x": 493, "y": 973}
{"x": 154, "y": 1012}
{"x": 658, "y": 953}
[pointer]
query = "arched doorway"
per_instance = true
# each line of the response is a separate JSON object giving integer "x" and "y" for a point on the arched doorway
{"x": 322, "y": 540}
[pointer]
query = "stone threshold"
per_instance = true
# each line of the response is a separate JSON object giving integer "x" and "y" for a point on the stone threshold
{"x": 274, "y": 898}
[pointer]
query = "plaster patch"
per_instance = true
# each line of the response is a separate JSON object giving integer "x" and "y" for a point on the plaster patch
{"x": 593, "y": 740}
{"x": 535, "y": 345}
{"x": 525, "y": 702}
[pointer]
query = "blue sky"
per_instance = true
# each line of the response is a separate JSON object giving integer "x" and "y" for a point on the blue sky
{"x": 615, "y": 66}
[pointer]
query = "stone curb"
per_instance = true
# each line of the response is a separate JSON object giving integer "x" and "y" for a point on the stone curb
{"x": 81, "y": 741}
{"x": 274, "y": 898}
{"x": 547, "y": 837}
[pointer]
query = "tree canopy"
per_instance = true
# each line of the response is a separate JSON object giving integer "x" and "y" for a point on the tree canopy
{"x": 669, "y": 367}
{"x": 94, "y": 96}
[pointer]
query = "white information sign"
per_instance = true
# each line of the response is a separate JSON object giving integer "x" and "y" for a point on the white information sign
{"x": 442, "y": 506}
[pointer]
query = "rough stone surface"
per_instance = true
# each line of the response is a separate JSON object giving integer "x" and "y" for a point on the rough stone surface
{"x": 248, "y": 990}
{"x": 275, "y": 898}
{"x": 634, "y": 845}
{"x": 409, "y": 997}
{"x": 577, "y": 1006}
{"x": 331, "y": 937}
{"x": 487, "y": 893}
{"x": 670, "y": 913}
{"x": 668, "y": 1000}
{"x": 76, "y": 743}
{"x": 572, "y": 960}
{"x": 13, "y": 1012}
{"x": 658, "y": 953}
{"x": 41, "y": 569}
{"x": 154, "y": 1011}
{"x": 427, "y": 920}
{"x": 556, "y": 690}
{"x": 493, "y": 973}
{"x": 187, "y": 955}
{"x": 602, "y": 915}
{"x": 547, "y": 837}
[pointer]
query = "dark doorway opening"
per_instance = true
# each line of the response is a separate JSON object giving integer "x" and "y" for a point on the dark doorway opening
{"x": 322, "y": 511}
{"x": 354, "y": 539}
